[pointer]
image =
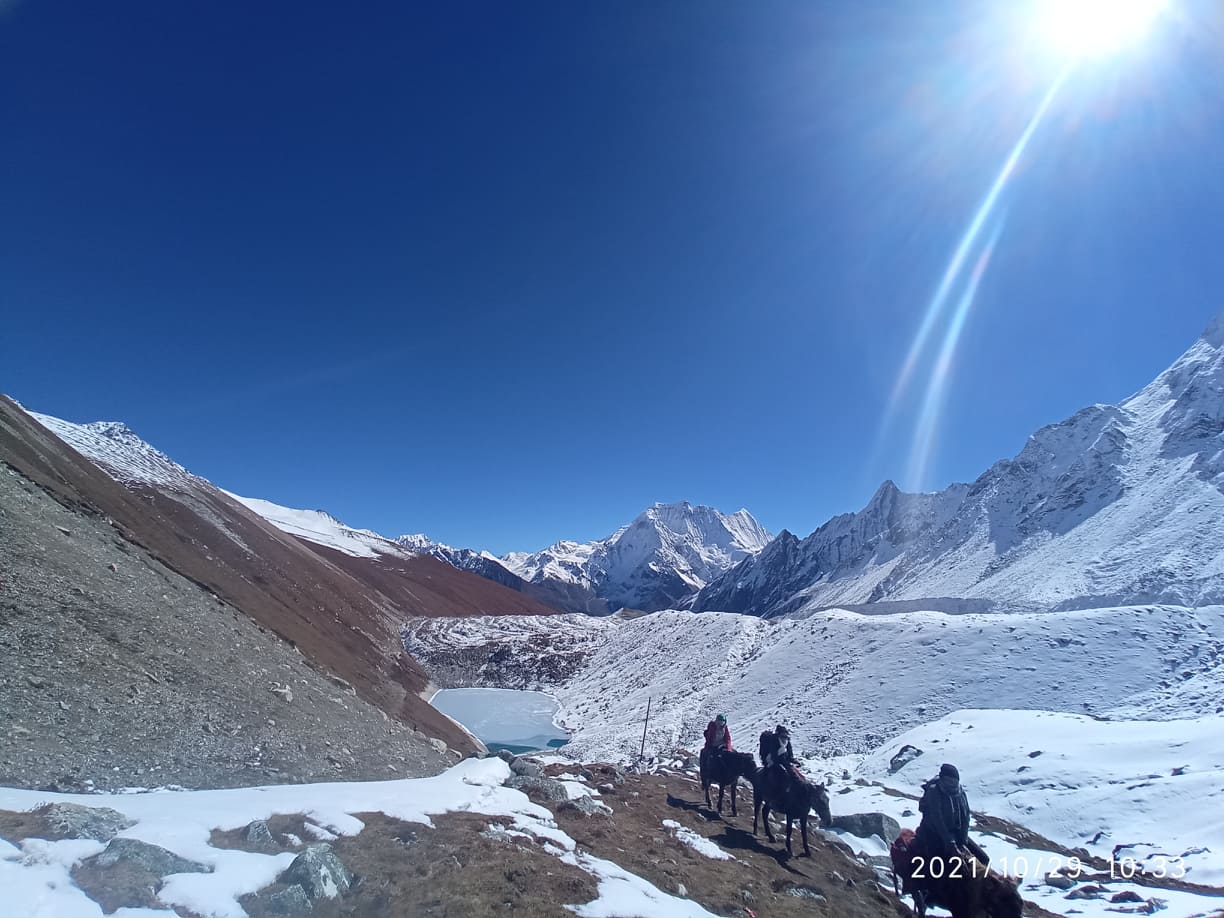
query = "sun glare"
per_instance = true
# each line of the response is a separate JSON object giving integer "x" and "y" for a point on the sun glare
{"x": 1091, "y": 28}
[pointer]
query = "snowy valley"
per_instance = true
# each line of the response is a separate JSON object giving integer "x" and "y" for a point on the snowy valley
{"x": 1055, "y": 628}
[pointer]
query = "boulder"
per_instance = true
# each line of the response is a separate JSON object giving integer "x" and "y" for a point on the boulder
{"x": 526, "y": 768}
{"x": 70, "y": 820}
{"x": 1059, "y": 881}
{"x": 506, "y": 755}
{"x": 587, "y": 806}
{"x": 151, "y": 858}
{"x": 547, "y": 788}
{"x": 1091, "y": 891}
{"x": 291, "y": 902}
{"x": 258, "y": 834}
{"x": 319, "y": 872}
{"x": 904, "y": 756}
{"x": 439, "y": 745}
{"x": 865, "y": 825}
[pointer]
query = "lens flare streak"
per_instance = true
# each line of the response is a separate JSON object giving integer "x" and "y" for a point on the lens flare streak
{"x": 966, "y": 244}
{"x": 932, "y": 404}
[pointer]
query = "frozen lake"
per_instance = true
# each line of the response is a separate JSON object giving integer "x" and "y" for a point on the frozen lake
{"x": 504, "y": 718}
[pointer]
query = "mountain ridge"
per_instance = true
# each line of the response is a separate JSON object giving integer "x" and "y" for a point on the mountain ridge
{"x": 1112, "y": 505}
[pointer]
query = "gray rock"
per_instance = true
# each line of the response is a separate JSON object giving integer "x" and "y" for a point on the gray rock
{"x": 865, "y": 825}
{"x": 291, "y": 901}
{"x": 1091, "y": 891}
{"x": 257, "y": 833}
{"x": 548, "y": 788}
{"x": 319, "y": 872}
{"x": 70, "y": 820}
{"x": 810, "y": 893}
{"x": 587, "y": 806}
{"x": 506, "y": 755}
{"x": 439, "y": 745}
{"x": 1058, "y": 881}
{"x": 904, "y": 756}
{"x": 148, "y": 857}
{"x": 526, "y": 768}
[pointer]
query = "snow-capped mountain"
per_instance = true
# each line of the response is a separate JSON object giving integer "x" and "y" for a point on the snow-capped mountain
{"x": 1118, "y": 504}
{"x": 666, "y": 554}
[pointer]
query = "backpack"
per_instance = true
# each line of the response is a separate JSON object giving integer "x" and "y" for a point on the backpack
{"x": 767, "y": 738}
{"x": 903, "y": 867}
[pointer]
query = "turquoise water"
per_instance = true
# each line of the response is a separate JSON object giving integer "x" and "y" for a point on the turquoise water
{"x": 511, "y": 719}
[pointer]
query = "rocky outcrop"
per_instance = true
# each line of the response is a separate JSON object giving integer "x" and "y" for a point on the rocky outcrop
{"x": 132, "y": 852}
{"x": 319, "y": 873}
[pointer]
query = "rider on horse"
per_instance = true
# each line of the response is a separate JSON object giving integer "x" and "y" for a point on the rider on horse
{"x": 717, "y": 739}
{"x": 944, "y": 830}
{"x": 777, "y": 756}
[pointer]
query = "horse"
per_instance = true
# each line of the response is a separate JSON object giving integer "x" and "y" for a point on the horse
{"x": 967, "y": 888}
{"x": 796, "y": 798}
{"x": 723, "y": 768}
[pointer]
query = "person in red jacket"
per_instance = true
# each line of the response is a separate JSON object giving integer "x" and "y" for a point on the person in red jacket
{"x": 717, "y": 738}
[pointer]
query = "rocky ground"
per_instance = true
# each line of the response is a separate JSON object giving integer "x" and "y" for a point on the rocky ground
{"x": 117, "y": 672}
{"x": 467, "y": 864}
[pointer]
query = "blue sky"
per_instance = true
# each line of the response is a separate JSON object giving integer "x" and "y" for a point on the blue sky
{"x": 508, "y": 273}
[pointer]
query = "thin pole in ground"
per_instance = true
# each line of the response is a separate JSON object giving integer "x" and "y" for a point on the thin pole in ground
{"x": 642, "y": 753}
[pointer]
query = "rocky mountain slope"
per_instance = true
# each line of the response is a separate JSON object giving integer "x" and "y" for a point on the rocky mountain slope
{"x": 118, "y": 671}
{"x": 1119, "y": 504}
{"x": 339, "y": 611}
{"x": 656, "y": 562}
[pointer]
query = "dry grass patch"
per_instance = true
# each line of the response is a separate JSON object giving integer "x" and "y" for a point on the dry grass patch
{"x": 280, "y": 825}
{"x": 453, "y": 870}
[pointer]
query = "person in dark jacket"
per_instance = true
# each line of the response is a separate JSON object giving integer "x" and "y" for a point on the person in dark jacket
{"x": 944, "y": 830}
{"x": 717, "y": 739}
{"x": 778, "y": 758}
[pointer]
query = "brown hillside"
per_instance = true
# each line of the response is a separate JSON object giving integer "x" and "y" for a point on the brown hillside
{"x": 343, "y": 617}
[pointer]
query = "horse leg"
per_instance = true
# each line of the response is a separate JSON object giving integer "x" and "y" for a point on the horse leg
{"x": 803, "y": 820}
{"x": 734, "y": 788}
{"x": 768, "y": 828}
{"x": 789, "y": 825}
{"x": 705, "y": 786}
{"x": 756, "y": 811}
{"x": 722, "y": 789}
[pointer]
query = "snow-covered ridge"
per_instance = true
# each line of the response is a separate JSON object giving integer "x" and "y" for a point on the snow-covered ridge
{"x": 321, "y": 528}
{"x": 117, "y": 449}
{"x": 667, "y": 553}
{"x": 664, "y": 555}
{"x": 1118, "y": 504}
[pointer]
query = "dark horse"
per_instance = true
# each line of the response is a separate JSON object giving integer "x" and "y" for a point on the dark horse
{"x": 795, "y": 798}
{"x": 968, "y": 889}
{"x": 974, "y": 891}
{"x": 723, "y": 768}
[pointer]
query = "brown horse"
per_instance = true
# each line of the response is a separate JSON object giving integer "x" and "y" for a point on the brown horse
{"x": 795, "y": 798}
{"x": 967, "y": 888}
{"x": 726, "y": 768}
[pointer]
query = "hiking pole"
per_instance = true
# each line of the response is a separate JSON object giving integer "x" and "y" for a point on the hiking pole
{"x": 642, "y": 753}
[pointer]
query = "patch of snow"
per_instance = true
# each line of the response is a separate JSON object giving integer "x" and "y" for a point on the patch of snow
{"x": 698, "y": 843}
{"x": 623, "y": 893}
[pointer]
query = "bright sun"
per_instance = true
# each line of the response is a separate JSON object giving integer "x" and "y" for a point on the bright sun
{"x": 1090, "y": 28}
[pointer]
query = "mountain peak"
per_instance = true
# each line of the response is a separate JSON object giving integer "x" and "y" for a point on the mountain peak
{"x": 1213, "y": 334}
{"x": 668, "y": 552}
